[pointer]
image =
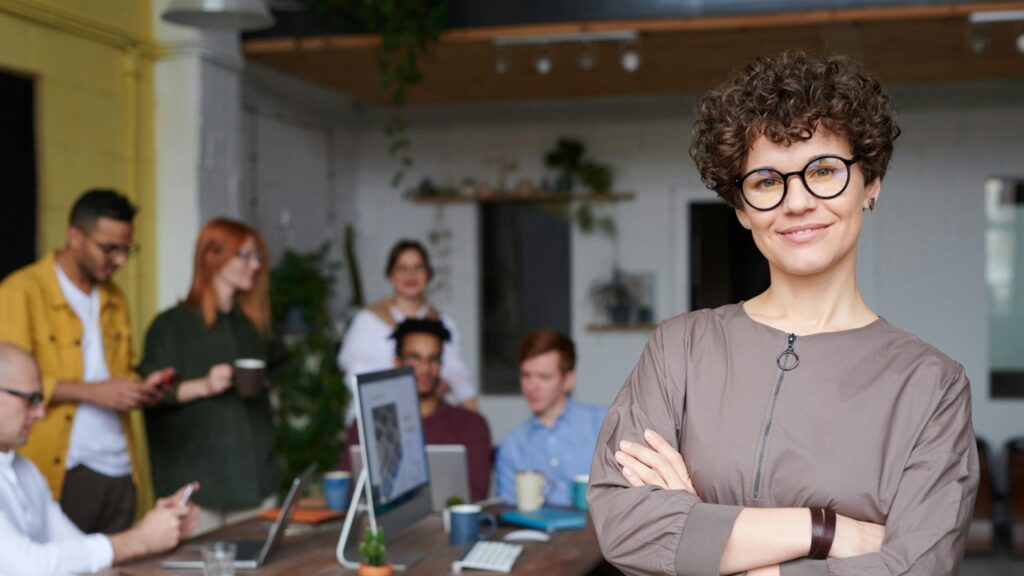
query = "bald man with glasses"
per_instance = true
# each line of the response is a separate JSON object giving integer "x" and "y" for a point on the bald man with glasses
{"x": 36, "y": 537}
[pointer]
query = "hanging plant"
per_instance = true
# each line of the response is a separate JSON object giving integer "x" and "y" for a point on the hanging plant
{"x": 408, "y": 29}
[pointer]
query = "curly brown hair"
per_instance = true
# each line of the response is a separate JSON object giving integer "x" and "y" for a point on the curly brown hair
{"x": 785, "y": 98}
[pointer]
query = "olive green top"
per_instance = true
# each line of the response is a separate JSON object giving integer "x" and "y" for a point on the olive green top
{"x": 225, "y": 442}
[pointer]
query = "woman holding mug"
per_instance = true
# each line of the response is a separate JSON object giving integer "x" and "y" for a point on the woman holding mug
{"x": 797, "y": 433}
{"x": 208, "y": 427}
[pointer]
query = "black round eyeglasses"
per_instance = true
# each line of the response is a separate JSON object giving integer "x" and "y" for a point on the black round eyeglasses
{"x": 824, "y": 177}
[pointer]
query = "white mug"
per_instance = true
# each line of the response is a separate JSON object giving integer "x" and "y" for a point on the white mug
{"x": 531, "y": 490}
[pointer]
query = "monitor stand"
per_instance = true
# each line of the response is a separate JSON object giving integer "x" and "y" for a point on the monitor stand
{"x": 393, "y": 521}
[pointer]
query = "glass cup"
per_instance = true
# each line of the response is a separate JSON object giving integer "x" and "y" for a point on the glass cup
{"x": 218, "y": 558}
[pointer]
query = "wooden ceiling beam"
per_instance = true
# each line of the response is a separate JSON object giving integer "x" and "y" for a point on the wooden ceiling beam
{"x": 648, "y": 26}
{"x": 923, "y": 44}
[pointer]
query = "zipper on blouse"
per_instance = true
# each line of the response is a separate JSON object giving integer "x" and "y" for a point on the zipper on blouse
{"x": 785, "y": 361}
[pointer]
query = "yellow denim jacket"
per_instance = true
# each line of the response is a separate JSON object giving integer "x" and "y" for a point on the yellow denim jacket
{"x": 35, "y": 316}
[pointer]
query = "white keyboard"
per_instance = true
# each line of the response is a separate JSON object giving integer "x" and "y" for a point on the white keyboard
{"x": 490, "y": 556}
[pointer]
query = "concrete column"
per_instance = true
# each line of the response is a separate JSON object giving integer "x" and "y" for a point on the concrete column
{"x": 197, "y": 143}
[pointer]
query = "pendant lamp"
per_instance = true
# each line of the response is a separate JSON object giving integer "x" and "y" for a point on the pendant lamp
{"x": 240, "y": 15}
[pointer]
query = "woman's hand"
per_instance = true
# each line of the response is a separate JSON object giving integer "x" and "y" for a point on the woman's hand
{"x": 660, "y": 465}
{"x": 218, "y": 379}
{"x": 854, "y": 538}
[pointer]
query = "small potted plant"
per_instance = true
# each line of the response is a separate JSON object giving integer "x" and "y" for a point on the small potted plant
{"x": 615, "y": 297}
{"x": 372, "y": 550}
{"x": 597, "y": 177}
{"x": 565, "y": 157}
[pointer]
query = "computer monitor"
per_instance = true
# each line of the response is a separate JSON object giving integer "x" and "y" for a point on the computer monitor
{"x": 391, "y": 434}
{"x": 449, "y": 472}
{"x": 391, "y": 437}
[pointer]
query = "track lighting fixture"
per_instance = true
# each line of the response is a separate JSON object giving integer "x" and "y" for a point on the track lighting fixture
{"x": 544, "y": 64}
{"x": 588, "y": 60}
{"x": 630, "y": 58}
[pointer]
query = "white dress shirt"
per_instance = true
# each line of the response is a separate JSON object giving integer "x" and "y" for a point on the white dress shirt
{"x": 97, "y": 437}
{"x": 368, "y": 347}
{"x": 35, "y": 535}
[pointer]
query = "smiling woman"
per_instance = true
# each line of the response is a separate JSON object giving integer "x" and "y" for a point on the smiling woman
{"x": 368, "y": 346}
{"x": 797, "y": 432}
{"x": 211, "y": 426}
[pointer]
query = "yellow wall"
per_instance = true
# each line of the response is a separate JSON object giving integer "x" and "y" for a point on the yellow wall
{"x": 92, "y": 63}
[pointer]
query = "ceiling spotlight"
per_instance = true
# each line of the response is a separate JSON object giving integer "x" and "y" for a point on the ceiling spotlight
{"x": 630, "y": 58}
{"x": 588, "y": 56}
{"x": 977, "y": 41}
{"x": 501, "y": 60}
{"x": 543, "y": 65}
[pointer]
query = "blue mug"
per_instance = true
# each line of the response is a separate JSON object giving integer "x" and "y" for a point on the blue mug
{"x": 465, "y": 524}
{"x": 336, "y": 487}
{"x": 579, "y": 491}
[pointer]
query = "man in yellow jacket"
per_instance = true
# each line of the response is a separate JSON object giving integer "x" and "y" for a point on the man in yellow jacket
{"x": 65, "y": 310}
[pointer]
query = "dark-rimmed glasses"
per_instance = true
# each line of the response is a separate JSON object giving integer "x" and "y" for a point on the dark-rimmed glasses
{"x": 824, "y": 177}
{"x": 249, "y": 256}
{"x": 33, "y": 398}
{"x": 417, "y": 360}
{"x": 114, "y": 250}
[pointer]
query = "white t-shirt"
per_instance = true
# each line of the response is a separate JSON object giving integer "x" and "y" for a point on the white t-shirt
{"x": 97, "y": 438}
{"x": 35, "y": 535}
{"x": 368, "y": 347}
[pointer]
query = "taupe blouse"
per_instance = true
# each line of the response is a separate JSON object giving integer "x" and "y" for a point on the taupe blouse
{"x": 871, "y": 422}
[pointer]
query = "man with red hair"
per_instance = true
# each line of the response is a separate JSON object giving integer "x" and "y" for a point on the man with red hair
{"x": 67, "y": 312}
{"x": 559, "y": 439}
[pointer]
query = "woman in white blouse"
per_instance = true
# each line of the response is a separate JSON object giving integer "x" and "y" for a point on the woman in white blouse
{"x": 368, "y": 345}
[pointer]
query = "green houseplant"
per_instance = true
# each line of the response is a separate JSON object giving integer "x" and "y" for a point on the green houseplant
{"x": 565, "y": 157}
{"x": 310, "y": 396}
{"x": 614, "y": 297}
{"x": 408, "y": 29}
{"x": 372, "y": 550}
{"x": 596, "y": 176}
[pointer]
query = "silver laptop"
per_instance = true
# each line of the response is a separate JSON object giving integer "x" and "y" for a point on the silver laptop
{"x": 251, "y": 554}
{"x": 449, "y": 472}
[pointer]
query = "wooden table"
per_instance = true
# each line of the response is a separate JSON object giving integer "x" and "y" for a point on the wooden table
{"x": 313, "y": 553}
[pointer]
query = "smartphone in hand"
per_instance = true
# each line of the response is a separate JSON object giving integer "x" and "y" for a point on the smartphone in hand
{"x": 186, "y": 495}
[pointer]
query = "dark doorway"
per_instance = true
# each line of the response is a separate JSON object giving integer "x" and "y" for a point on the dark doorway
{"x": 18, "y": 219}
{"x": 725, "y": 264}
{"x": 526, "y": 263}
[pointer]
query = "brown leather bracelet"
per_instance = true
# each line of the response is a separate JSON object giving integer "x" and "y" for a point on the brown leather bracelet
{"x": 830, "y": 533}
{"x": 817, "y": 530}
{"x": 823, "y": 531}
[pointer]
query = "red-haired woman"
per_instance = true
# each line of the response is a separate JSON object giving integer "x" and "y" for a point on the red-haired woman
{"x": 204, "y": 430}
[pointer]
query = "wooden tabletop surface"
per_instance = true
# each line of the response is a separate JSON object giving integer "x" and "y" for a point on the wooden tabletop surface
{"x": 311, "y": 551}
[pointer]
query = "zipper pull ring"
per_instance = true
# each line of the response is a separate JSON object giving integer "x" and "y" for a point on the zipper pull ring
{"x": 789, "y": 359}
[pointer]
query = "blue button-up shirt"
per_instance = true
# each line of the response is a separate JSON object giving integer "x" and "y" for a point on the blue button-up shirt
{"x": 560, "y": 452}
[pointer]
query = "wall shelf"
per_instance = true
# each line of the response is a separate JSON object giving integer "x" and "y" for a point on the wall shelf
{"x": 631, "y": 327}
{"x": 511, "y": 197}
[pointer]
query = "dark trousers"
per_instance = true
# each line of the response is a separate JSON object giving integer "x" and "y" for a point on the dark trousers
{"x": 98, "y": 503}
